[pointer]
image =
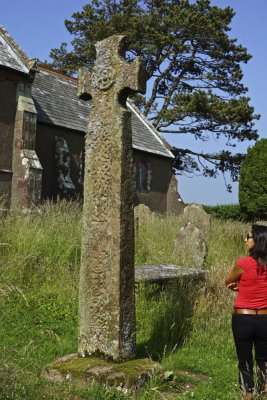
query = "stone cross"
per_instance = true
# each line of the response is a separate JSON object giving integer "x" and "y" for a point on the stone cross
{"x": 106, "y": 296}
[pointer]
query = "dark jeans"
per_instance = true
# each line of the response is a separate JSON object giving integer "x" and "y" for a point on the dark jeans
{"x": 250, "y": 331}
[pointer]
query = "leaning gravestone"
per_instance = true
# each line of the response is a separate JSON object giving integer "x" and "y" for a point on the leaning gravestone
{"x": 190, "y": 244}
{"x": 197, "y": 216}
{"x": 141, "y": 212}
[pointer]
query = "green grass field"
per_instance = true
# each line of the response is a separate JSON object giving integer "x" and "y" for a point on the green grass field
{"x": 186, "y": 328}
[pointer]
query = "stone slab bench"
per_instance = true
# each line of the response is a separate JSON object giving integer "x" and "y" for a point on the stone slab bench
{"x": 161, "y": 273}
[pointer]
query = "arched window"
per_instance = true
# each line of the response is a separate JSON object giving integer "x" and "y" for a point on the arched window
{"x": 62, "y": 156}
{"x": 144, "y": 176}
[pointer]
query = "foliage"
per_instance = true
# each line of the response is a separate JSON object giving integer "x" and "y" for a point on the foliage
{"x": 147, "y": 249}
{"x": 38, "y": 301}
{"x": 43, "y": 237}
{"x": 253, "y": 181}
{"x": 163, "y": 317}
{"x": 226, "y": 211}
{"x": 192, "y": 65}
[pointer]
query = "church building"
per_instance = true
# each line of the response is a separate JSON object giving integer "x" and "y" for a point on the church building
{"x": 42, "y": 134}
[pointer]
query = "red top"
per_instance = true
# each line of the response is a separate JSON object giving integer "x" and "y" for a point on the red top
{"x": 252, "y": 286}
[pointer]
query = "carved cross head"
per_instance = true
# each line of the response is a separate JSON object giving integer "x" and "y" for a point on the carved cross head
{"x": 112, "y": 74}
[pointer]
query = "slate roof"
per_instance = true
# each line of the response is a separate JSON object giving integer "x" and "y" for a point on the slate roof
{"x": 56, "y": 102}
{"x": 55, "y": 98}
{"x": 12, "y": 56}
{"x": 145, "y": 136}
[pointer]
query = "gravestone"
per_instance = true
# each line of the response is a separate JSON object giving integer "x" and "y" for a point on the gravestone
{"x": 190, "y": 246}
{"x": 106, "y": 295}
{"x": 198, "y": 217}
{"x": 167, "y": 273}
{"x": 141, "y": 211}
{"x": 262, "y": 222}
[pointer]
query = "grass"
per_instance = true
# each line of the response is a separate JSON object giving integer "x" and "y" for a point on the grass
{"x": 186, "y": 328}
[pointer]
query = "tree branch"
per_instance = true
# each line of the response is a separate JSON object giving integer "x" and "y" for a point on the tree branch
{"x": 172, "y": 89}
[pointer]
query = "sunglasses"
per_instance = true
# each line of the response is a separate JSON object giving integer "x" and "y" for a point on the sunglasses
{"x": 249, "y": 236}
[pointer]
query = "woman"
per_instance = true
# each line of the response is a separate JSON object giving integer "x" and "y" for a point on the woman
{"x": 249, "y": 321}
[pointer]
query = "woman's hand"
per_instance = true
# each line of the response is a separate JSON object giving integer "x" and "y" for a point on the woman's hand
{"x": 233, "y": 286}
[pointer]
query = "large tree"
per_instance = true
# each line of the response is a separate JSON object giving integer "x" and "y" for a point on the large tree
{"x": 192, "y": 65}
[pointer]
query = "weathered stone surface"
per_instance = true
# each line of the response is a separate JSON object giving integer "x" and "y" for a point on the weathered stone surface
{"x": 106, "y": 296}
{"x": 195, "y": 214}
{"x": 166, "y": 273}
{"x": 264, "y": 223}
{"x": 26, "y": 167}
{"x": 141, "y": 210}
{"x": 191, "y": 245}
{"x": 83, "y": 371}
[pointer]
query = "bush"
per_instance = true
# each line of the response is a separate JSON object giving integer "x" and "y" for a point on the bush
{"x": 253, "y": 182}
{"x": 226, "y": 211}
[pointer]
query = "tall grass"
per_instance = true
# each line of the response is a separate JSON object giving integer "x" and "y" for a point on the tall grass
{"x": 186, "y": 328}
{"x": 43, "y": 243}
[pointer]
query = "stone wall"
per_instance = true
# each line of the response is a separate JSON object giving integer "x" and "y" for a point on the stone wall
{"x": 9, "y": 81}
{"x": 175, "y": 204}
{"x": 20, "y": 170}
{"x": 26, "y": 168}
{"x": 153, "y": 190}
{"x": 156, "y": 195}
{"x": 8, "y": 91}
{"x": 156, "y": 189}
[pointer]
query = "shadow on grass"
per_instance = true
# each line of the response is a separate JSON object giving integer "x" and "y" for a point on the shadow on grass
{"x": 164, "y": 314}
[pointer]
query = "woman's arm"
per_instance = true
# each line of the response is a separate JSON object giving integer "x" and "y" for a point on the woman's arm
{"x": 234, "y": 277}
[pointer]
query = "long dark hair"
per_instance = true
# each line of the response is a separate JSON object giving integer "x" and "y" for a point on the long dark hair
{"x": 259, "y": 250}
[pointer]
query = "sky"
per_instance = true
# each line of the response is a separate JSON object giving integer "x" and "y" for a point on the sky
{"x": 37, "y": 27}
